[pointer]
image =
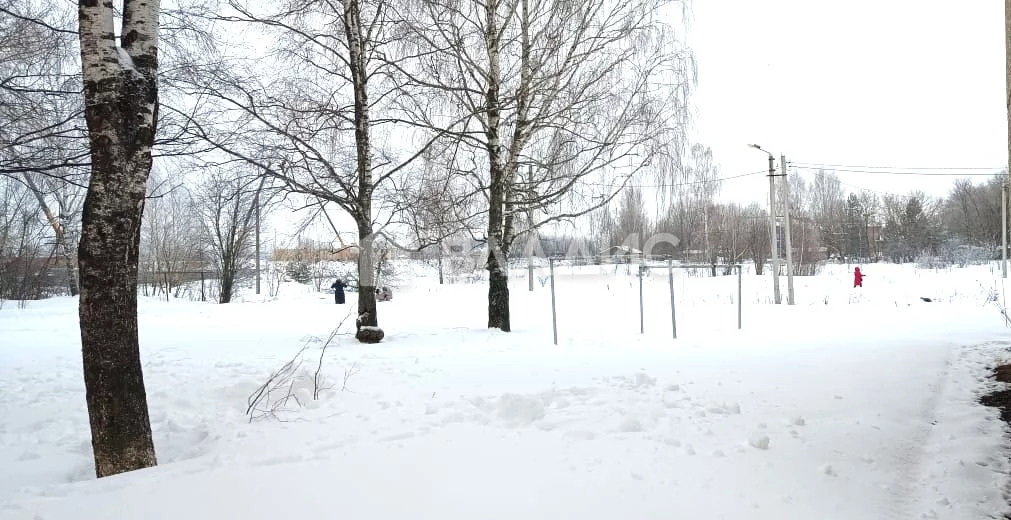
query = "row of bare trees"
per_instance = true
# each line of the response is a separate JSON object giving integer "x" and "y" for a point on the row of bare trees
{"x": 42, "y": 151}
{"x": 419, "y": 119}
{"x": 205, "y": 225}
{"x": 441, "y": 117}
{"x": 514, "y": 113}
{"x": 828, "y": 222}
{"x": 862, "y": 224}
{"x": 39, "y": 219}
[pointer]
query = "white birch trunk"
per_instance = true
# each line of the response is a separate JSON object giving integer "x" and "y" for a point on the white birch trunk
{"x": 121, "y": 99}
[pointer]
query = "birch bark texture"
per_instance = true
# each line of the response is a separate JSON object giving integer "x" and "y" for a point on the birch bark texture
{"x": 121, "y": 104}
{"x": 356, "y": 41}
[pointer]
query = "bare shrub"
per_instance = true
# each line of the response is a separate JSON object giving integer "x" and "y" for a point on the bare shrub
{"x": 283, "y": 387}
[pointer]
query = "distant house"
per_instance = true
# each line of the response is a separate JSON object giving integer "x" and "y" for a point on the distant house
{"x": 696, "y": 256}
{"x": 36, "y": 264}
{"x": 34, "y": 277}
{"x": 622, "y": 254}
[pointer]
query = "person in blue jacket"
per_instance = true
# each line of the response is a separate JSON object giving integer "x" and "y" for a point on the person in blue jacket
{"x": 338, "y": 291}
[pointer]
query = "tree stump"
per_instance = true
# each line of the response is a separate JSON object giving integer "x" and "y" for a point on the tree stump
{"x": 367, "y": 333}
{"x": 370, "y": 334}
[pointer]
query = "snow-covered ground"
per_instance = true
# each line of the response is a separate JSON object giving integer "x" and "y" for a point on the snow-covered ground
{"x": 853, "y": 404}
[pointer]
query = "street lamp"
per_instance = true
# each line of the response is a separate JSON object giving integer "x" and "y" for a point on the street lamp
{"x": 772, "y": 225}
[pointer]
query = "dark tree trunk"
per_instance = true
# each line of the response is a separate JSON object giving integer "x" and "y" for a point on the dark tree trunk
{"x": 114, "y": 381}
{"x": 227, "y": 285}
{"x": 498, "y": 292}
{"x": 121, "y": 102}
{"x": 227, "y": 273}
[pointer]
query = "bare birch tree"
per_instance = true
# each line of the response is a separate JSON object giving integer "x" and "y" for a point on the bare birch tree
{"x": 313, "y": 129}
{"x": 121, "y": 108}
{"x": 439, "y": 205}
{"x": 565, "y": 102}
{"x": 689, "y": 200}
{"x": 828, "y": 211}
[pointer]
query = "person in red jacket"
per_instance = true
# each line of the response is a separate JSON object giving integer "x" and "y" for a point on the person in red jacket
{"x": 858, "y": 278}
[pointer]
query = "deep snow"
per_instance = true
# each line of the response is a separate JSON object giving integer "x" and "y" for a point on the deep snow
{"x": 852, "y": 404}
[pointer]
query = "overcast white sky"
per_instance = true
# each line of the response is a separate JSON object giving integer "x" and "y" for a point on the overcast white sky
{"x": 899, "y": 83}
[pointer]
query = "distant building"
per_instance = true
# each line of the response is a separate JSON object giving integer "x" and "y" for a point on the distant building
{"x": 622, "y": 254}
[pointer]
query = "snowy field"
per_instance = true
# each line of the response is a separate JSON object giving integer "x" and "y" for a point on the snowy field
{"x": 853, "y": 404}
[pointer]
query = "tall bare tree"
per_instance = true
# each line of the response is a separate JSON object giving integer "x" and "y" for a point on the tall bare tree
{"x": 972, "y": 213}
{"x": 564, "y": 101}
{"x": 689, "y": 199}
{"x": 60, "y": 202}
{"x": 121, "y": 109}
{"x": 42, "y": 141}
{"x": 171, "y": 236}
{"x": 438, "y": 206}
{"x": 631, "y": 224}
{"x": 23, "y": 264}
{"x": 727, "y": 233}
{"x": 314, "y": 129}
{"x": 829, "y": 211}
{"x": 754, "y": 221}
{"x": 41, "y": 126}
{"x": 227, "y": 203}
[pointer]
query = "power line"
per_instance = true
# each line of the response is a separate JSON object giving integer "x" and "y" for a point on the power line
{"x": 896, "y": 167}
{"x": 693, "y": 183}
{"x": 870, "y": 190}
{"x": 888, "y": 170}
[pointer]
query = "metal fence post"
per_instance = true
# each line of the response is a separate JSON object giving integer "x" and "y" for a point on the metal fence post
{"x": 642, "y": 317}
{"x": 554, "y": 316}
{"x": 670, "y": 279}
{"x": 530, "y": 273}
{"x": 739, "y": 269}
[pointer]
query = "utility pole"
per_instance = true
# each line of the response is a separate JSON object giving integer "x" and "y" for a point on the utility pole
{"x": 773, "y": 238}
{"x": 1003, "y": 230}
{"x": 789, "y": 248}
{"x": 256, "y": 201}
{"x": 772, "y": 224}
{"x": 1007, "y": 97}
{"x": 256, "y": 208}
